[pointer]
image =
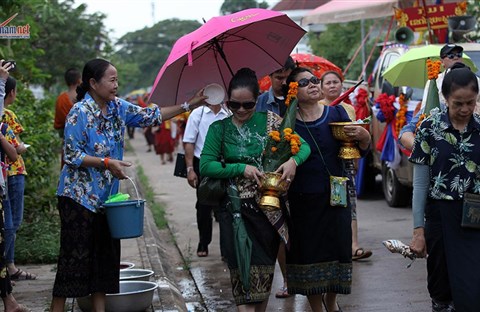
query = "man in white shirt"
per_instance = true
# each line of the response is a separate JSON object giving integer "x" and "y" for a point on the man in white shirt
{"x": 193, "y": 139}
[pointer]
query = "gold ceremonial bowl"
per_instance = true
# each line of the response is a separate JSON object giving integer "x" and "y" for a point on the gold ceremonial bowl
{"x": 272, "y": 188}
{"x": 349, "y": 149}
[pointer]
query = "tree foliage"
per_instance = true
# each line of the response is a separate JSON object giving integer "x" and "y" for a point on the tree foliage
{"x": 62, "y": 35}
{"x": 143, "y": 52}
{"x": 339, "y": 43}
{"x": 232, "y": 6}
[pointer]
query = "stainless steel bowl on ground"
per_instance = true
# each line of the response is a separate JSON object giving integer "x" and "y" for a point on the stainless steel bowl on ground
{"x": 135, "y": 275}
{"x": 134, "y": 296}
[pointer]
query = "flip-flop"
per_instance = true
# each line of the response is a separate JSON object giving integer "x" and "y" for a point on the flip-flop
{"x": 22, "y": 275}
{"x": 282, "y": 293}
{"x": 361, "y": 253}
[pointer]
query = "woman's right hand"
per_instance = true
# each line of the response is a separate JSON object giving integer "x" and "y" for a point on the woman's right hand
{"x": 4, "y": 70}
{"x": 116, "y": 167}
{"x": 253, "y": 173}
{"x": 418, "y": 245}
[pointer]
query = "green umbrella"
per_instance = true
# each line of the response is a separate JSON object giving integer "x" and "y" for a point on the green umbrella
{"x": 410, "y": 69}
{"x": 242, "y": 243}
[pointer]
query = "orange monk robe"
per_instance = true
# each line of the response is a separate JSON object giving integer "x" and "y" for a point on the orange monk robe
{"x": 62, "y": 107}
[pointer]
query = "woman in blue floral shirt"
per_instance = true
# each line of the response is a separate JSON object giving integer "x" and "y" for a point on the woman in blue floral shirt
{"x": 89, "y": 258}
{"x": 446, "y": 166}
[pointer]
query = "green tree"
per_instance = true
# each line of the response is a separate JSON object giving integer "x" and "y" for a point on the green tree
{"x": 232, "y": 6}
{"x": 339, "y": 43}
{"x": 62, "y": 35}
{"x": 143, "y": 52}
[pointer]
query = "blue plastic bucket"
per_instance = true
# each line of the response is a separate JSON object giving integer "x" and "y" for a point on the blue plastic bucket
{"x": 125, "y": 218}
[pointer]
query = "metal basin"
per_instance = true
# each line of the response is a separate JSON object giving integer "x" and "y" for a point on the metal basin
{"x": 134, "y": 296}
{"x": 126, "y": 265}
{"x": 135, "y": 275}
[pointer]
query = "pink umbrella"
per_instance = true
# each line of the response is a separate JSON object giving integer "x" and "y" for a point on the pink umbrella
{"x": 257, "y": 38}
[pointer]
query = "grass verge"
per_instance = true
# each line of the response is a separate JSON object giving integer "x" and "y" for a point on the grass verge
{"x": 158, "y": 209}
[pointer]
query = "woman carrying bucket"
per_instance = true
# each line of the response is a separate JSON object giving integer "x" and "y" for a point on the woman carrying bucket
{"x": 89, "y": 260}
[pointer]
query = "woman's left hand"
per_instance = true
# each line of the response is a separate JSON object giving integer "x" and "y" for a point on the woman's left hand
{"x": 358, "y": 133}
{"x": 117, "y": 167}
{"x": 288, "y": 170}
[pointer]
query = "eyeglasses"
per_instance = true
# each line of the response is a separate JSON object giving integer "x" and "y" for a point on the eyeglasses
{"x": 302, "y": 83}
{"x": 453, "y": 55}
{"x": 234, "y": 105}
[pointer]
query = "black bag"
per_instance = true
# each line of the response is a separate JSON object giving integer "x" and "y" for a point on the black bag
{"x": 180, "y": 166}
{"x": 471, "y": 211}
{"x": 211, "y": 191}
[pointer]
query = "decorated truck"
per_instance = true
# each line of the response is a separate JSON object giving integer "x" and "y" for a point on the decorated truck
{"x": 391, "y": 108}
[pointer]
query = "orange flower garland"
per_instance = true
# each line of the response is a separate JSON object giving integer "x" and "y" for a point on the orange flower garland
{"x": 400, "y": 117}
{"x": 292, "y": 92}
{"x": 433, "y": 69}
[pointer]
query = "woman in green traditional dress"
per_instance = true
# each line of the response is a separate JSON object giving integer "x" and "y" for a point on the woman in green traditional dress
{"x": 244, "y": 136}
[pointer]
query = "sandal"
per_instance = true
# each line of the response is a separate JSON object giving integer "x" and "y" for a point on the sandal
{"x": 361, "y": 253}
{"x": 22, "y": 275}
{"x": 202, "y": 250}
{"x": 325, "y": 304}
{"x": 282, "y": 293}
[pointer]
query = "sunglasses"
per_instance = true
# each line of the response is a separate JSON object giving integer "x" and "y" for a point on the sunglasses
{"x": 453, "y": 55}
{"x": 234, "y": 105}
{"x": 302, "y": 83}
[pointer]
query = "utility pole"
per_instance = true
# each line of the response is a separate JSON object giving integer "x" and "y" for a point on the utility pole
{"x": 153, "y": 12}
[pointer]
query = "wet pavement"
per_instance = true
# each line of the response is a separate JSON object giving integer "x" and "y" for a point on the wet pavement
{"x": 190, "y": 283}
{"x": 381, "y": 283}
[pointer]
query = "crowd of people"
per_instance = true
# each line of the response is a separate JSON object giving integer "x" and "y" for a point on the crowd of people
{"x": 312, "y": 239}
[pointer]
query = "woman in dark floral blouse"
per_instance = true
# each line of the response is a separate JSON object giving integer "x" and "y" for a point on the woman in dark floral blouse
{"x": 94, "y": 139}
{"x": 446, "y": 167}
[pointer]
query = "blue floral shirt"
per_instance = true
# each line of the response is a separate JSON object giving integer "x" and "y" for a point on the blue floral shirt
{"x": 89, "y": 132}
{"x": 452, "y": 155}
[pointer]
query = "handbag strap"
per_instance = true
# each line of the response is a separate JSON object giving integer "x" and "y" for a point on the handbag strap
{"x": 314, "y": 141}
{"x": 221, "y": 157}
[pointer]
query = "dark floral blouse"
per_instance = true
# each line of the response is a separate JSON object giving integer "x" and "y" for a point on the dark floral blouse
{"x": 453, "y": 156}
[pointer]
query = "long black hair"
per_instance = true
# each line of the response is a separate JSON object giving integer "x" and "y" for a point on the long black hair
{"x": 93, "y": 69}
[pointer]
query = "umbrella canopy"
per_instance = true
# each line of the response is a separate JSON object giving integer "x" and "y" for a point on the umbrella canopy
{"x": 256, "y": 38}
{"x": 411, "y": 69}
{"x": 317, "y": 64}
{"x": 242, "y": 243}
{"x": 341, "y": 11}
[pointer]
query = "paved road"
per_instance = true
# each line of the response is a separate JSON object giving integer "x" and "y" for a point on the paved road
{"x": 382, "y": 283}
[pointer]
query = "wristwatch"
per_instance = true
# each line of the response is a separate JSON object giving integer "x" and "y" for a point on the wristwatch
{"x": 189, "y": 169}
{"x": 102, "y": 160}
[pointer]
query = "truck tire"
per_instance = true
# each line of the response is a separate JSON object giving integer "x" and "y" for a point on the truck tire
{"x": 396, "y": 194}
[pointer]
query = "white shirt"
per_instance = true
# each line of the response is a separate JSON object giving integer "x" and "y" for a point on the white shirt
{"x": 197, "y": 126}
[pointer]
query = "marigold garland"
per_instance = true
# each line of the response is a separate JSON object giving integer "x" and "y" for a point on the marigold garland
{"x": 401, "y": 116}
{"x": 289, "y": 137}
{"x": 420, "y": 119}
{"x": 292, "y": 92}
{"x": 433, "y": 69}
